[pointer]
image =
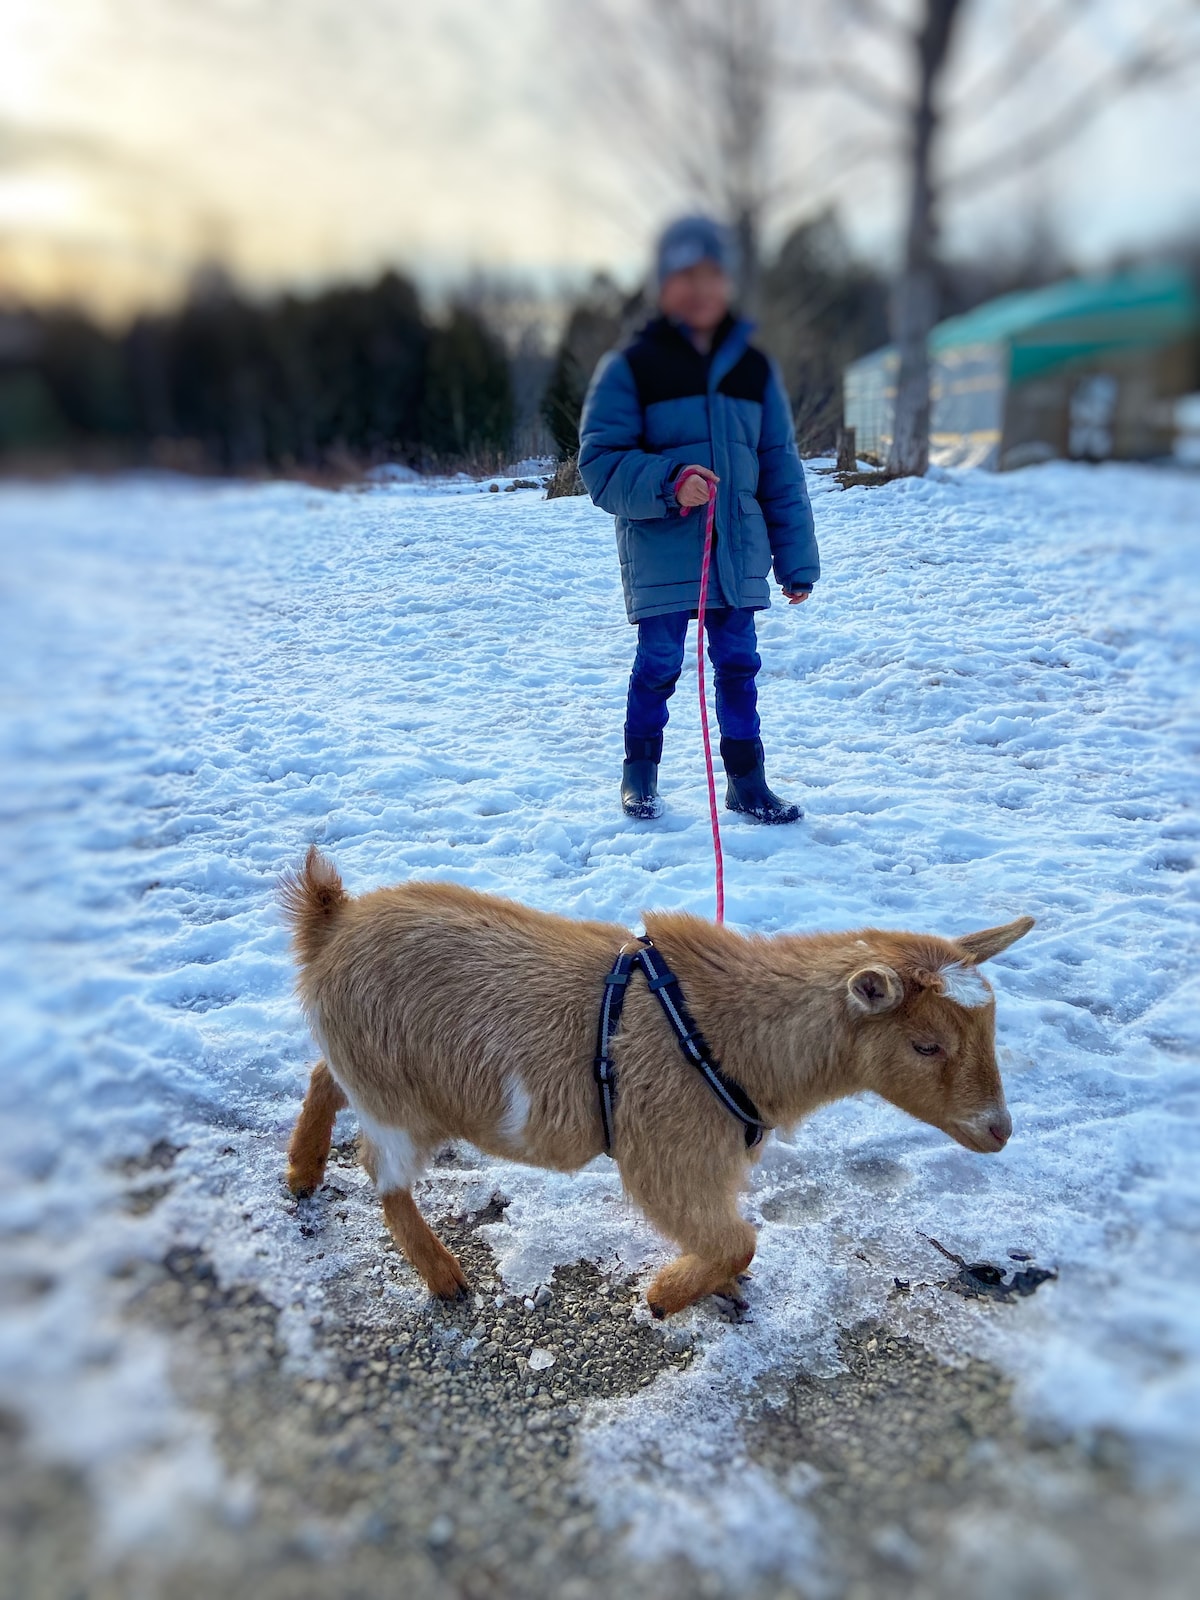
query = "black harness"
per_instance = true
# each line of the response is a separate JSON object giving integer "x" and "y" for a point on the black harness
{"x": 664, "y": 985}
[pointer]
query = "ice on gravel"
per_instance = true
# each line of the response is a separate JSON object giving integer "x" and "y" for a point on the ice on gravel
{"x": 987, "y": 709}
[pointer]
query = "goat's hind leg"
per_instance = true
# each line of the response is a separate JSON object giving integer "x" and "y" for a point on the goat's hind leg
{"x": 394, "y": 1160}
{"x": 416, "y": 1240}
{"x": 308, "y": 1149}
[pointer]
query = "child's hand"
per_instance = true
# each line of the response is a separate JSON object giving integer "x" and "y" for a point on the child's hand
{"x": 695, "y": 491}
{"x": 797, "y": 597}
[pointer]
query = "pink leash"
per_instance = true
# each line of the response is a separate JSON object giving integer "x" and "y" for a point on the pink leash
{"x": 710, "y": 518}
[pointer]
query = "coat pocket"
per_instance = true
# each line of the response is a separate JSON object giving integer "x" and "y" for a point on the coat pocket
{"x": 665, "y": 551}
{"x": 756, "y": 544}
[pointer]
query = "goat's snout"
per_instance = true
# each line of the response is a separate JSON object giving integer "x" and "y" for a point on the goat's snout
{"x": 987, "y": 1132}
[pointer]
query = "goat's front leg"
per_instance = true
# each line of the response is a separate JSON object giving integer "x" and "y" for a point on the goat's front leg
{"x": 703, "y": 1219}
{"x": 711, "y": 1268}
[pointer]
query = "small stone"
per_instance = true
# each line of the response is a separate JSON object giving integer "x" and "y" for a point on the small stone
{"x": 527, "y": 1303}
{"x": 440, "y": 1532}
{"x": 898, "y": 1547}
{"x": 540, "y": 1359}
{"x": 543, "y": 1297}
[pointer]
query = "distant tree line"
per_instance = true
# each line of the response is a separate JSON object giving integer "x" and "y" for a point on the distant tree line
{"x": 353, "y": 374}
{"x": 357, "y": 375}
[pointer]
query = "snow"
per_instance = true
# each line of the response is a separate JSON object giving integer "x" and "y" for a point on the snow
{"x": 987, "y": 709}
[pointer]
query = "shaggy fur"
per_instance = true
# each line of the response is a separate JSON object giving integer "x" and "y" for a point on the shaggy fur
{"x": 443, "y": 1013}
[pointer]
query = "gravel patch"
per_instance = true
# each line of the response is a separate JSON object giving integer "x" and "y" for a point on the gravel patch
{"x": 436, "y": 1457}
{"x": 927, "y": 1482}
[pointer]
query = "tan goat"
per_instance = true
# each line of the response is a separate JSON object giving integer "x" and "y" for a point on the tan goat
{"x": 443, "y": 1013}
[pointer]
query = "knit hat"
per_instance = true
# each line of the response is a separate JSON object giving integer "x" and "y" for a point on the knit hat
{"x": 690, "y": 240}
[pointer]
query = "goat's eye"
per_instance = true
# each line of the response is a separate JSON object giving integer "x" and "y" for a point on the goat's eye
{"x": 927, "y": 1049}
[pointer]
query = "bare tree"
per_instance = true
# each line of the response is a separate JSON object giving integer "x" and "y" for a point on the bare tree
{"x": 696, "y": 87}
{"x": 704, "y": 87}
{"x": 914, "y": 303}
{"x": 1166, "y": 45}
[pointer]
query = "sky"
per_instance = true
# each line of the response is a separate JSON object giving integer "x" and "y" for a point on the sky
{"x": 313, "y": 140}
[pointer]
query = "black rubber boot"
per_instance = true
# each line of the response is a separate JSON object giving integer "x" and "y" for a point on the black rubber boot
{"x": 746, "y": 790}
{"x": 639, "y": 779}
{"x": 639, "y": 790}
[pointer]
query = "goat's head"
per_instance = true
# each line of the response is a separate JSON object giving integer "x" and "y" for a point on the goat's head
{"x": 925, "y": 1025}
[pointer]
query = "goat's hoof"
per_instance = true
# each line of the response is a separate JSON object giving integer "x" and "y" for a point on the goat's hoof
{"x": 303, "y": 1184}
{"x": 656, "y": 1311}
{"x": 449, "y": 1292}
{"x": 730, "y": 1303}
{"x": 448, "y": 1282}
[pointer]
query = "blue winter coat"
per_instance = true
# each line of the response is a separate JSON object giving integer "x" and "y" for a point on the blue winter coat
{"x": 658, "y": 406}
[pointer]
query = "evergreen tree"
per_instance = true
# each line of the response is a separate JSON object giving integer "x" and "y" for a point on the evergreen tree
{"x": 467, "y": 413}
{"x": 594, "y": 326}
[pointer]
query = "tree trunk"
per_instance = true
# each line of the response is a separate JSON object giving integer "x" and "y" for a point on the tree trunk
{"x": 746, "y": 232}
{"x": 914, "y": 303}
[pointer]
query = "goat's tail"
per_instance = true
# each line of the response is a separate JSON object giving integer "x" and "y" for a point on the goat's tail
{"x": 312, "y": 899}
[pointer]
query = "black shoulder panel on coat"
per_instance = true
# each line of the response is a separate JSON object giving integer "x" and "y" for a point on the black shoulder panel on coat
{"x": 665, "y": 365}
{"x": 748, "y": 377}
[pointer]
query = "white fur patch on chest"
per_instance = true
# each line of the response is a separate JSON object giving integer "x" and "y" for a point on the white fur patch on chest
{"x": 966, "y": 986}
{"x": 514, "y": 1119}
{"x": 397, "y": 1162}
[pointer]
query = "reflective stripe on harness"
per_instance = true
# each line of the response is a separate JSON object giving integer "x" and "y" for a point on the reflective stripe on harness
{"x": 664, "y": 985}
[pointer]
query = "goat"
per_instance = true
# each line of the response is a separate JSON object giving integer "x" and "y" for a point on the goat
{"x": 444, "y": 1013}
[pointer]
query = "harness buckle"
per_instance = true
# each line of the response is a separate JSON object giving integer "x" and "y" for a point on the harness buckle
{"x": 602, "y": 1071}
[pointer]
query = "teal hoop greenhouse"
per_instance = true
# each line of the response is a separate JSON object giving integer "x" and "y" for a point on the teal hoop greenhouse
{"x": 1089, "y": 368}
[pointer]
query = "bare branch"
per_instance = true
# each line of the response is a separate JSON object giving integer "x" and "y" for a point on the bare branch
{"x": 1149, "y": 65}
{"x": 870, "y": 91}
{"x": 1044, "y": 34}
{"x": 831, "y": 165}
{"x": 874, "y": 14}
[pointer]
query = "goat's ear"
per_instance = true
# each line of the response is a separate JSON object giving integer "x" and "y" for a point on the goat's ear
{"x": 874, "y": 990}
{"x": 977, "y": 947}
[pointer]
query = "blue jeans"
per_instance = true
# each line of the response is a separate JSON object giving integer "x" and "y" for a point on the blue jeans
{"x": 732, "y": 649}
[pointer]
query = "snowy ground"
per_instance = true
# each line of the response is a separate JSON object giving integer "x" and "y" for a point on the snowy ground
{"x": 987, "y": 709}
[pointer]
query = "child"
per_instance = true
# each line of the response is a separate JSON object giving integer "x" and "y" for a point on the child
{"x": 691, "y": 391}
